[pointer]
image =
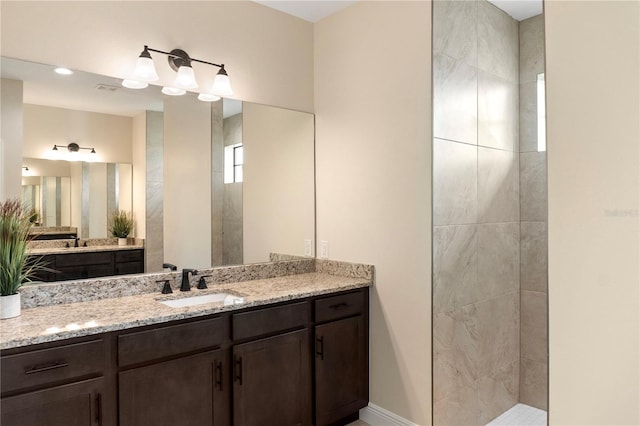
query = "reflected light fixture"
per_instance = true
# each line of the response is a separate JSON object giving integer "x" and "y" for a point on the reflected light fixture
{"x": 179, "y": 61}
{"x": 73, "y": 152}
{"x": 63, "y": 71}
{"x": 26, "y": 171}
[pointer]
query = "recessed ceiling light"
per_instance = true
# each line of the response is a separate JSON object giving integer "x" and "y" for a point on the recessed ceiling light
{"x": 63, "y": 71}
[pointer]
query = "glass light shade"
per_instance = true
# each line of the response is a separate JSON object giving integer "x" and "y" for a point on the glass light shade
{"x": 208, "y": 97}
{"x": 186, "y": 78}
{"x": 74, "y": 156}
{"x": 26, "y": 171}
{"x": 134, "y": 84}
{"x": 173, "y": 91}
{"x": 145, "y": 70}
{"x": 222, "y": 85}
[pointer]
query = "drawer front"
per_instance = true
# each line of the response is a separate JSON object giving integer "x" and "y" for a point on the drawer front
{"x": 269, "y": 320}
{"x": 45, "y": 366}
{"x": 129, "y": 268}
{"x": 83, "y": 259}
{"x": 129, "y": 256}
{"x": 340, "y": 306}
{"x": 135, "y": 348}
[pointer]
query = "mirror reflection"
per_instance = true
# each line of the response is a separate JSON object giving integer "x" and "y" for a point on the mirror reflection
{"x": 217, "y": 183}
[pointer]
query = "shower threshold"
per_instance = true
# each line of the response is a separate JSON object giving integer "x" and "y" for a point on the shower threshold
{"x": 521, "y": 415}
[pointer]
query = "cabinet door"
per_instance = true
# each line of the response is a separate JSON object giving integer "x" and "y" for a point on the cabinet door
{"x": 271, "y": 381}
{"x": 341, "y": 369}
{"x": 189, "y": 390}
{"x": 76, "y": 404}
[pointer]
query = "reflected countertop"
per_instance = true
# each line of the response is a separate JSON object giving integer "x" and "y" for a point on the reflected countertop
{"x": 64, "y": 321}
{"x": 88, "y": 249}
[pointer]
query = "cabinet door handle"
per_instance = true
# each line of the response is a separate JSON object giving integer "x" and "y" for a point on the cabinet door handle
{"x": 340, "y": 306}
{"x": 218, "y": 374}
{"x": 320, "y": 347}
{"x": 45, "y": 367}
{"x": 99, "y": 409}
{"x": 238, "y": 368}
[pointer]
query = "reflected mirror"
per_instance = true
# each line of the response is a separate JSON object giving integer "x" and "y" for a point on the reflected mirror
{"x": 218, "y": 183}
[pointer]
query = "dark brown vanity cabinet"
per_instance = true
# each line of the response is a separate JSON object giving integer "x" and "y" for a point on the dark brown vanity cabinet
{"x": 341, "y": 356}
{"x": 171, "y": 376}
{"x": 56, "y": 386}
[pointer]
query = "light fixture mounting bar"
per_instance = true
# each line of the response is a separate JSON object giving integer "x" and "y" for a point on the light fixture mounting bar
{"x": 178, "y": 56}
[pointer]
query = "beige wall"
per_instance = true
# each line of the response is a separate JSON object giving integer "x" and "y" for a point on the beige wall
{"x": 268, "y": 54}
{"x": 40, "y": 167}
{"x": 277, "y": 200}
{"x": 593, "y": 110}
{"x": 187, "y": 182}
{"x": 372, "y": 86}
{"x": 45, "y": 126}
{"x": 10, "y": 138}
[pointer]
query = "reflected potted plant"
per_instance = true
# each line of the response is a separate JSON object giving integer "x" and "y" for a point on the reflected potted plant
{"x": 34, "y": 216}
{"x": 121, "y": 226}
{"x": 15, "y": 266}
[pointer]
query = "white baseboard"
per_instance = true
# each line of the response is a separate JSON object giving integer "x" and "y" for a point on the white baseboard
{"x": 378, "y": 416}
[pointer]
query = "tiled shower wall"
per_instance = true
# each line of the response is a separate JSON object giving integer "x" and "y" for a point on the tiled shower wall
{"x": 533, "y": 223}
{"x": 476, "y": 236}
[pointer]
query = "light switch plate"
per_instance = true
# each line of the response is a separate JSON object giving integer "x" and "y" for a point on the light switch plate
{"x": 307, "y": 248}
{"x": 324, "y": 249}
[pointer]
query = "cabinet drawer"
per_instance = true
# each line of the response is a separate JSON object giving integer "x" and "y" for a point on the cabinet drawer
{"x": 45, "y": 366}
{"x": 135, "y": 348}
{"x": 128, "y": 256}
{"x": 83, "y": 259}
{"x": 269, "y": 320}
{"x": 340, "y": 306}
{"x": 129, "y": 268}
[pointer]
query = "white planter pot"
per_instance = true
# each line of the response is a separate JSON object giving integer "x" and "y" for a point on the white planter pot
{"x": 122, "y": 241}
{"x": 9, "y": 306}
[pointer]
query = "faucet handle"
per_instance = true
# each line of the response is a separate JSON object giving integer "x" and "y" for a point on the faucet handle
{"x": 166, "y": 288}
{"x": 202, "y": 283}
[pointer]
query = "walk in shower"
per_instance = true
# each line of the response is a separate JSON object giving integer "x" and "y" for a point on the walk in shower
{"x": 489, "y": 216}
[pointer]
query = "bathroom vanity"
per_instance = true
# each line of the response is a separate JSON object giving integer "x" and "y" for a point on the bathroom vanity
{"x": 294, "y": 352}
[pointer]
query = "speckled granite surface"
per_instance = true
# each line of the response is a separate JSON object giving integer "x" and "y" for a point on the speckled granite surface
{"x": 88, "y": 249}
{"x": 63, "y": 321}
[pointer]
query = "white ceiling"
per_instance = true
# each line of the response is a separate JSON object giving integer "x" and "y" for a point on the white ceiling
{"x": 313, "y": 10}
{"x": 309, "y": 10}
{"x": 519, "y": 9}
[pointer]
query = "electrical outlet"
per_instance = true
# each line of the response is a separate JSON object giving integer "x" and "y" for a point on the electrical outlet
{"x": 307, "y": 248}
{"x": 324, "y": 249}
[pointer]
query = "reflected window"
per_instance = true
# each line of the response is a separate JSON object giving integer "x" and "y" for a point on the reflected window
{"x": 541, "y": 118}
{"x": 233, "y": 161}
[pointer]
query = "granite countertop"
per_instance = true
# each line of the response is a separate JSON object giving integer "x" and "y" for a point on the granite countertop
{"x": 88, "y": 249}
{"x": 64, "y": 321}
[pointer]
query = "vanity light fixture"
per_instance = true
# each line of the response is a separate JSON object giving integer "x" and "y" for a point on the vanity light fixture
{"x": 179, "y": 61}
{"x": 73, "y": 152}
{"x": 26, "y": 171}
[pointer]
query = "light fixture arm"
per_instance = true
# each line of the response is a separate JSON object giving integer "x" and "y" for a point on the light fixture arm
{"x": 182, "y": 57}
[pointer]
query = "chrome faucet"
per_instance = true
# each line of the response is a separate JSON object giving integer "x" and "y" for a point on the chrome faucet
{"x": 186, "y": 286}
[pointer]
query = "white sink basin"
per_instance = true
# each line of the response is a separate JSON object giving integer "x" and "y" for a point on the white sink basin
{"x": 224, "y": 298}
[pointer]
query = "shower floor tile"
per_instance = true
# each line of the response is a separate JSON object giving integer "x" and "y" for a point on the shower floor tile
{"x": 521, "y": 415}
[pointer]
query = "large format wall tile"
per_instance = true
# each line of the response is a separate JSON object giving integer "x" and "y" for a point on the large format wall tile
{"x": 455, "y": 196}
{"x": 498, "y": 186}
{"x": 497, "y": 112}
{"x": 498, "y": 259}
{"x": 498, "y": 330}
{"x": 533, "y": 383}
{"x": 455, "y": 96}
{"x": 498, "y": 392}
{"x": 459, "y": 409}
{"x": 533, "y": 256}
{"x": 456, "y": 34}
{"x": 533, "y": 186}
{"x": 455, "y": 266}
{"x": 533, "y": 320}
{"x": 455, "y": 361}
{"x": 531, "y": 48}
{"x": 497, "y": 42}
{"x": 528, "y": 117}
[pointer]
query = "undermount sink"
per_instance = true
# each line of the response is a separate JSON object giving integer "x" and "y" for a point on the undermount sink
{"x": 224, "y": 298}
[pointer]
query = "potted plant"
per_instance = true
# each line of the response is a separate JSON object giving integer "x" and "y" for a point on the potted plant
{"x": 121, "y": 226}
{"x": 34, "y": 216}
{"x": 15, "y": 266}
